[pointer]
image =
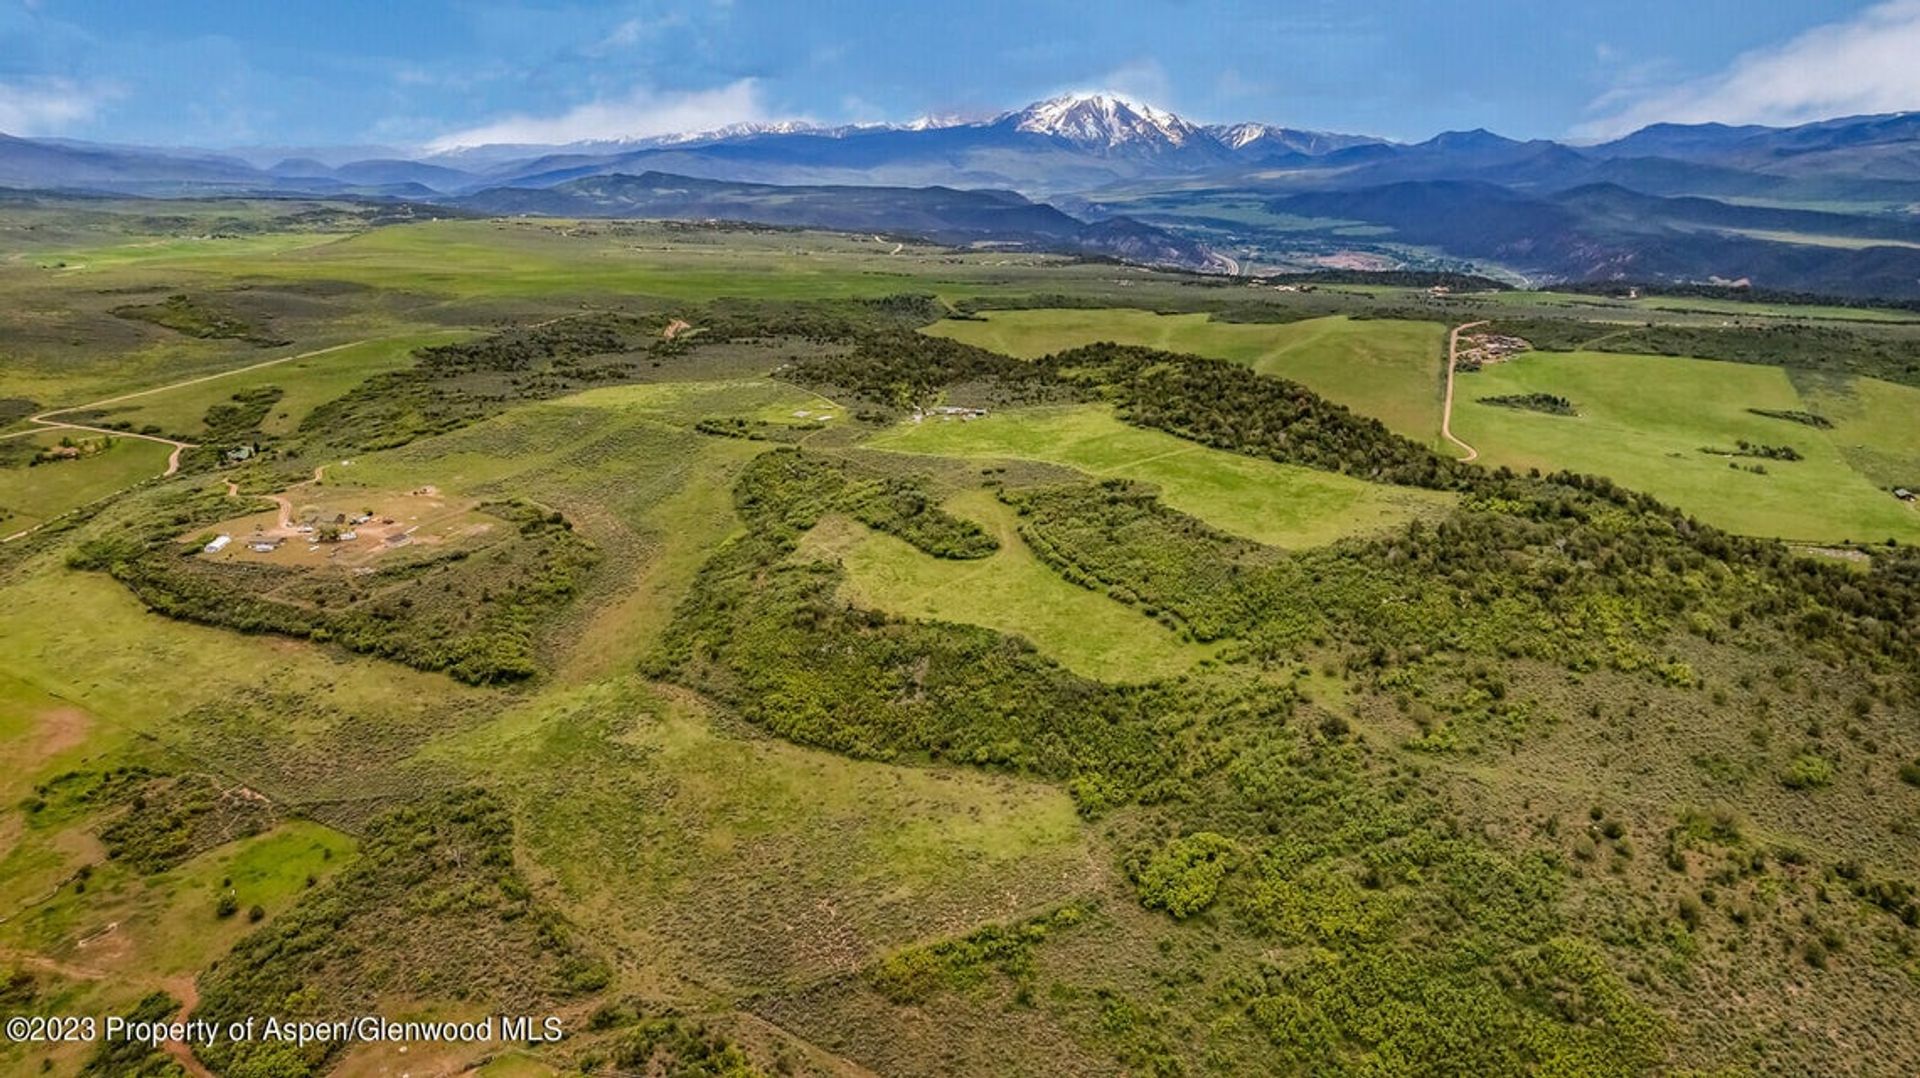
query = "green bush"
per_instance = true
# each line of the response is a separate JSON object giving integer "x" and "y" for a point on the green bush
{"x": 1807, "y": 771}
{"x": 1184, "y": 876}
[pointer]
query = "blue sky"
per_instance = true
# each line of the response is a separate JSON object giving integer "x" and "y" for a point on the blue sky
{"x": 442, "y": 72}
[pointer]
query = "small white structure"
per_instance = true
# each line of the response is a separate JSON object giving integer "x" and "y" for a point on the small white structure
{"x": 219, "y": 543}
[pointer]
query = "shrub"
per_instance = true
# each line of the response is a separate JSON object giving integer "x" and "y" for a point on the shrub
{"x": 1807, "y": 772}
{"x": 1184, "y": 877}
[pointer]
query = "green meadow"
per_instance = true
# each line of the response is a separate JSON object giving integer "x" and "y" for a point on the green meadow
{"x": 723, "y": 862}
{"x": 1277, "y": 504}
{"x": 507, "y": 259}
{"x": 1876, "y": 425}
{"x": 816, "y": 781}
{"x": 1391, "y": 370}
{"x": 305, "y": 380}
{"x": 31, "y": 495}
{"x": 1646, "y": 420}
{"x": 1010, "y": 591}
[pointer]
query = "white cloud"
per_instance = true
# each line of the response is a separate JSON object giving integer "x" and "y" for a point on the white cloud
{"x": 1864, "y": 64}
{"x": 47, "y": 106}
{"x": 1143, "y": 81}
{"x": 626, "y": 34}
{"x": 640, "y": 114}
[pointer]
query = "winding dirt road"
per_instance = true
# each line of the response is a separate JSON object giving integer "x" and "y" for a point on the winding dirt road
{"x": 1446, "y": 410}
{"x": 45, "y": 421}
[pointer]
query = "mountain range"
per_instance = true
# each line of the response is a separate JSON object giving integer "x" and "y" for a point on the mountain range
{"x": 1828, "y": 206}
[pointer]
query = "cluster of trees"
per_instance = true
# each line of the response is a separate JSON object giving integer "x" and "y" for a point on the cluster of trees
{"x": 435, "y": 894}
{"x": 1549, "y": 403}
{"x": 1116, "y": 536}
{"x": 167, "y": 820}
{"x": 472, "y": 613}
{"x": 902, "y": 506}
{"x": 1894, "y": 357}
{"x": 197, "y": 316}
{"x": 453, "y": 385}
{"x": 1365, "y": 866}
{"x": 1733, "y": 293}
{"x": 238, "y": 418}
{"x": 1744, "y": 448}
{"x": 903, "y": 369}
{"x": 1228, "y": 406}
{"x": 1794, "y": 415}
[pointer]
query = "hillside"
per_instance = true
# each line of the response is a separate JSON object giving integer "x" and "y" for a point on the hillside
{"x": 941, "y": 214}
{"x": 1820, "y": 207}
{"x": 773, "y": 652}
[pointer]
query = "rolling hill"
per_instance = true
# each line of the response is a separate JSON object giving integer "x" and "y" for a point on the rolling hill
{"x": 1825, "y": 206}
{"x": 942, "y": 214}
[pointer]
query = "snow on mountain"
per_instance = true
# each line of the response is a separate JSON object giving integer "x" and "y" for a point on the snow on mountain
{"x": 1257, "y": 137}
{"x": 747, "y": 130}
{"x": 1107, "y": 126}
{"x": 934, "y": 121}
{"x": 1103, "y": 120}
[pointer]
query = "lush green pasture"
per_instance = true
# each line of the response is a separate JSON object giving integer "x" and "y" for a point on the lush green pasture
{"x": 722, "y": 862}
{"x": 623, "y": 464}
{"x": 307, "y": 382}
{"x": 139, "y": 252}
{"x": 521, "y": 258}
{"x": 84, "y": 638}
{"x": 1876, "y": 425}
{"x": 30, "y": 496}
{"x": 1501, "y": 795}
{"x": 1010, "y": 591}
{"x": 1620, "y": 308}
{"x": 1643, "y": 421}
{"x": 1387, "y": 369}
{"x": 167, "y": 924}
{"x": 616, "y": 445}
{"x": 1278, "y": 504}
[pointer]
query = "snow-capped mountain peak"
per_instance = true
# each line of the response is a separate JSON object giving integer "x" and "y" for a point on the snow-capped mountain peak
{"x": 744, "y": 129}
{"x": 935, "y": 121}
{"x": 1236, "y": 136}
{"x": 1102, "y": 120}
{"x": 1261, "y": 138}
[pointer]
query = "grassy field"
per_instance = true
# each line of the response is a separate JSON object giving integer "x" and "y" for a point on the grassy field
{"x": 1645, "y": 420}
{"x": 307, "y": 382}
{"x": 1011, "y": 591}
{"x": 77, "y": 261}
{"x": 1390, "y": 370}
{"x": 522, "y": 258}
{"x": 722, "y": 862}
{"x": 1451, "y": 793}
{"x": 1610, "y": 308}
{"x": 30, "y": 496}
{"x": 1876, "y": 425}
{"x": 1272, "y": 503}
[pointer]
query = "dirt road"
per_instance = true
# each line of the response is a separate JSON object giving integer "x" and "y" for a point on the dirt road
{"x": 45, "y": 420}
{"x": 1446, "y": 410}
{"x": 173, "y": 458}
